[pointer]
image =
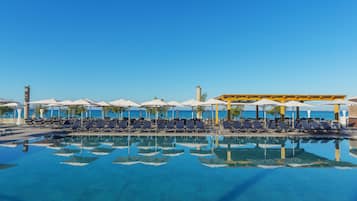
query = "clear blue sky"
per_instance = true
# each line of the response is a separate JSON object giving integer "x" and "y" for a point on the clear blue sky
{"x": 140, "y": 49}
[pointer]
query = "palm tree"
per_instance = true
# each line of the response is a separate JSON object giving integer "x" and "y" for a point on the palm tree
{"x": 39, "y": 109}
{"x": 160, "y": 110}
{"x": 116, "y": 109}
{"x": 4, "y": 110}
{"x": 236, "y": 111}
{"x": 106, "y": 110}
{"x": 275, "y": 111}
{"x": 77, "y": 110}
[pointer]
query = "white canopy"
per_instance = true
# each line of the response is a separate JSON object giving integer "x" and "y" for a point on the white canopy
{"x": 174, "y": 104}
{"x": 154, "y": 103}
{"x": 66, "y": 102}
{"x": 84, "y": 102}
{"x": 103, "y": 104}
{"x": 213, "y": 101}
{"x": 131, "y": 104}
{"x": 124, "y": 103}
{"x": 119, "y": 103}
{"x": 353, "y": 99}
{"x": 51, "y": 101}
{"x": 13, "y": 104}
{"x": 296, "y": 104}
{"x": 240, "y": 104}
{"x": 192, "y": 103}
{"x": 341, "y": 102}
{"x": 266, "y": 102}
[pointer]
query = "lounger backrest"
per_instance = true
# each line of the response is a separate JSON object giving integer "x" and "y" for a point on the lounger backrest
{"x": 227, "y": 125}
{"x": 171, "y": 125}
{"x": 257, "y": 125}
{"x": 305, "y": 125}
{"x": 147, "y": 124}
{"x": 190, "y": 124}
{"x": 200, "y": 125}
{"x": 247, "y": 124}
{"x": 180, "y": 124}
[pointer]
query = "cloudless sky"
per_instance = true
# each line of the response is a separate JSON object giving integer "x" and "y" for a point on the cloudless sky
{"x": 134, "y": 49}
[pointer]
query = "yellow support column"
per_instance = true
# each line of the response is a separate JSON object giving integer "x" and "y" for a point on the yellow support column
{"x": 229, "y": 110}
{"x": 337, "y": 112}
{"x": 282, "y": 152}
{"x": 216, "y": 119}
{"x": 282, "y": 111}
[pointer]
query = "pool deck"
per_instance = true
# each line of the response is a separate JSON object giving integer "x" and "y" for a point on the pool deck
{"x": 24, "y": 133}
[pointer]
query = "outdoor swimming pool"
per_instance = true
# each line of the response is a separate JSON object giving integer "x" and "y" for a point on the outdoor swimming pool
{"x": 178, "y": 168}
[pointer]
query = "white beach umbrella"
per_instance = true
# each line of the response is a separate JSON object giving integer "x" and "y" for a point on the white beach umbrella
{"x": 51, "y": 101}
{"x": 13, "y": 104}
{"x": 174, "y": 104}
{"x": 341, "y": 102}
{"x": 83, "y": 102}
{"x": 103, "y": 104}
{"x": 155, "y": 103}
{"x": 48, "y": 102}
{"x": 17, "y": 107}
{"x": 122, "y": 103}
{"x": 119, "y": 103}
{"x": 129, "y": 104}
{"x": 211, "y": 102}
{"x": 66, "y": 103}
{"x": 266, "y": 102}
{"x": 295, "y": 104}
{"x": 353, "y": 99}
{"x": 192, "y": 103}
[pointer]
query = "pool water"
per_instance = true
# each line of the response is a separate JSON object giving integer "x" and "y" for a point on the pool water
{"x": 200, "y": 168}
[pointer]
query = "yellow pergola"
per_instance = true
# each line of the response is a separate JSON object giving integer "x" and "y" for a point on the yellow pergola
{"x": 231, "y": 98}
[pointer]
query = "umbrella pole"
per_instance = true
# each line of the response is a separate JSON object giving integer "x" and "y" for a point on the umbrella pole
{"x": 129, "y": 116}
{"x": 293, "y": 119}
{"x": 265, "y": 117}
{"x": 212, "y": 115}
{"x": 81, "y": 119}
{"x": 173, "y": 113}
{"x": 157, "y": 117}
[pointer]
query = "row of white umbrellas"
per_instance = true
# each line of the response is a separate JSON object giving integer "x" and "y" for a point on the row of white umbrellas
{"x": 160, "y": 103}
{"x": 156, "y": 103}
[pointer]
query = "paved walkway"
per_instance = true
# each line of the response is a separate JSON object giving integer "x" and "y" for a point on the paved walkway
{"x": 23, "y": 133}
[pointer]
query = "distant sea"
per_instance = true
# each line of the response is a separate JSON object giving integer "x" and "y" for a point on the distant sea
{"x": 327, "y": 115}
